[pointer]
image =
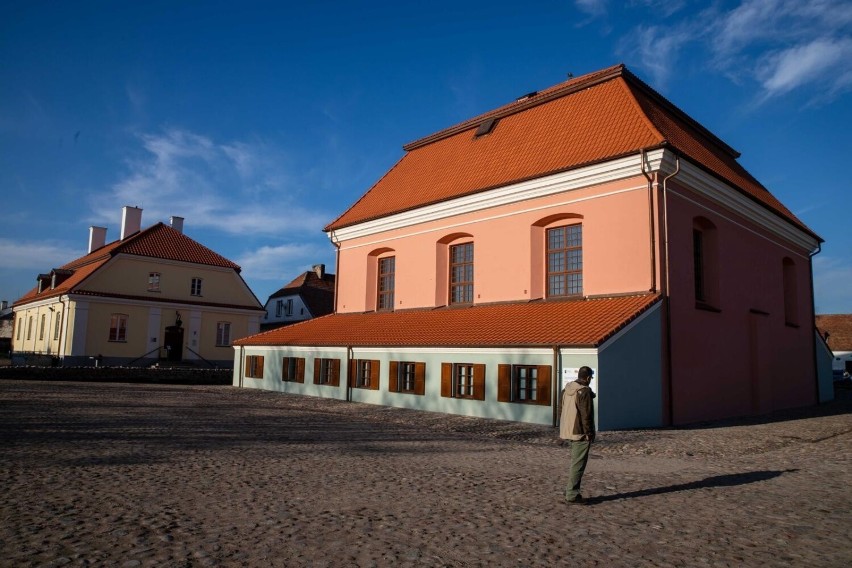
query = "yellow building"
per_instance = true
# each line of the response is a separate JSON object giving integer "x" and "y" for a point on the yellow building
{"x": 152, "y": 295}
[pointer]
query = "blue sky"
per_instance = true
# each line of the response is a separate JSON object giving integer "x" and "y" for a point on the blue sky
{"x": 260, "y": 122}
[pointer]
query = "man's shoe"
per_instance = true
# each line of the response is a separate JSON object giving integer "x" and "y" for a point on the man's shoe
{"x": 578, "y": 500}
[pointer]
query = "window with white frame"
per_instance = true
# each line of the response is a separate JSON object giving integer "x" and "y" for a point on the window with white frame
{"x": 195, "y": 288}
{"x": 118, "y": 327}
{"x": 153, "y": 281}
{"x": 223, "y": 334}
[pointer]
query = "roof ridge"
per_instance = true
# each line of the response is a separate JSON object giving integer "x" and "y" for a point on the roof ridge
{"x": 554, "y": 92}
{"x": 631, "y": 96}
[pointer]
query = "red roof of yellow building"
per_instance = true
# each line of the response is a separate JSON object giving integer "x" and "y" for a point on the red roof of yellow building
{"x": 594, "y": 118}
{"x": 570, "y": 323}
{"x": 158, "y": 241}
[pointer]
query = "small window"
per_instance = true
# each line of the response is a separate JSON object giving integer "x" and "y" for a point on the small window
{"x": 288, "y": 307}
{"x": 41, "y": 327}
{"x": 195, "y": 289}
{"x": 57, "y": 326}
{"x": 153, "y": 281}
{"x": 327, "y": 372}
{"x": 463, "y": 380}
{"x": 387, "y": 269}
{"x": 524, "y": 384}
{"x": 364, "y": 374}
{"x": 461, "y": 274}
{"x": 485, "y": 127}
{"x": 20, "y": 327}
{"x": 407, "y": 377}
{"x": 293, "y": 369}
{"x": 254, "y": 366}
{"x": 705, "y": 264}
{"x": 223, "y": 334}
{"x": 29, "y": 328}
{"x": 279, "y": 308}
{"x": 118, "y": 327}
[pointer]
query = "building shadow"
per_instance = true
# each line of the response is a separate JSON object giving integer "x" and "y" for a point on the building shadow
{"x": 729, "y": 480}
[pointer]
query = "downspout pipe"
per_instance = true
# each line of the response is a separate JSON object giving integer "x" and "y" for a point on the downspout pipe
{"x": 811, "y": 256}
{"x": 667, "y": 296}
{"x": 63, "y": 331}
{"x": 651, "y": 224}
{"x": 332, "y": 237}
{"x": 555, "y": 383}
{"x": 348, "y": 369}
{"x": 240, "y": 365}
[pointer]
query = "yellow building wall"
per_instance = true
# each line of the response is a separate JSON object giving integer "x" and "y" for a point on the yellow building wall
{"x": 98, "y": 327}
{"x": 32, "y": 340}
{"x": 129, "y": 275}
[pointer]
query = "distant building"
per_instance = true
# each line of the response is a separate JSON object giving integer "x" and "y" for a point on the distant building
{"x": 836, "y": 329}
{"x": 6, "y": 328}
{"x": 152, "y": 295}
{"x": 591, "y": 223}
{"x": 309, "y": 295}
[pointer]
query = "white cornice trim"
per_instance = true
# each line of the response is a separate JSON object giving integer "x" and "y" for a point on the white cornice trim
{"x": 660, "y": 161}
{"x": 694, "y": 178}
{"x": 579, "y": 178}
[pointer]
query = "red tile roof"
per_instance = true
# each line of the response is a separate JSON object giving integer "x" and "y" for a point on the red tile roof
{"x": 158, "y": 241}
{"x": 839, "y": 329}
{"x": 572, "y": 323}
{"x": 597, "y": 117}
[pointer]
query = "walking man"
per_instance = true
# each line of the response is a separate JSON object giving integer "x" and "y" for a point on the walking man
{"x": 577, "y": 425}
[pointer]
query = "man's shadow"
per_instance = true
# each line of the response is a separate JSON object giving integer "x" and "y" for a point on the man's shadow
{"x": 728, "y": 480}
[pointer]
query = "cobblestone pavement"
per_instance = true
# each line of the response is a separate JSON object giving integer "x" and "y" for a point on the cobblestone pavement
{"x": 153, "y": 475}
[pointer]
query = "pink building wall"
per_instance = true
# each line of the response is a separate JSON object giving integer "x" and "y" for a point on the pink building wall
{"x": 508, "y": 249}
{"x": 744, "y": 358}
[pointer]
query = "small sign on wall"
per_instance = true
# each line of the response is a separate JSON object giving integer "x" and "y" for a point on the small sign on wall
{"x": 571, "y": 373}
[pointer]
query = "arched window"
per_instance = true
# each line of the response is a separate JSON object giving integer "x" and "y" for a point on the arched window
{"x": 791, "y": 304}
{"x": 705, "y": 262}
{"x": 557, "y": 256}
{"x": 381, "y": 279}
{"x": 454, "y": 270}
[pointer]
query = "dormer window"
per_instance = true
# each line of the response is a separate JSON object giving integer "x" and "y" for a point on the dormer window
{"x": 485, "y": 127}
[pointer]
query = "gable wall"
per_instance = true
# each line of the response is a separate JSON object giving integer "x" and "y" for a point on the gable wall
{"x": 742, "y": 357}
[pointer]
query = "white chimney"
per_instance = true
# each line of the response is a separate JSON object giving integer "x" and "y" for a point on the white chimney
{"x": 319, "y": 269}
{"x": 97, "y": 238}
{"x": 176, "y": 223}
{"x": 131, "y": 221}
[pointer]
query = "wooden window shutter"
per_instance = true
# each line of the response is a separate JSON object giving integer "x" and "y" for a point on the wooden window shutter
{"x": 353, "y": 372}
{"x": 259, "y": 372}
{"x": 317, "y": 367}
{"x": 393, "y": 376}
{"x": 335, "y": 372}
{"x": 447, "y": 379}
{"x": 300, "y": 370}
{"x": 248, "y": 369}
{"x": 504, "y": 383}
{"x": 375, "y": 368}
{"x": 479, "y": 381}
{"x": 543, "y": 386}
{"x": 420, "y": 378}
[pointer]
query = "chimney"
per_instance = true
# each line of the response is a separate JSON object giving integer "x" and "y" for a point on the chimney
{"x": 319, "y": 269}
{"x": 97, "y": 238}
{"x": 176, "y": 223}
{"x": 5, "y": 305}
{"x": 131, "y": 221}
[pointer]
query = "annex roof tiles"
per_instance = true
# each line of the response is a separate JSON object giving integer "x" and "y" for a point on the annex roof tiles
{"x": 839, "y": 328}
{"x": 570, "y": 323}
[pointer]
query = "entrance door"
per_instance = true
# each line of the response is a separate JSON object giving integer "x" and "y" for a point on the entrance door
{"x": 174, "y": 343}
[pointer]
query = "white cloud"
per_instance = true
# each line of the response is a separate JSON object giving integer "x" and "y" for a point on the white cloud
{"x": 37, "y": 256}
{"x": 236, "y": 187}
{"x": 282, "y": 263}
{"x": 832, "y": 285}
{"x": 593, "y": 8}
{"x": 658, "y": 48}
{"x": 783, "y": 71}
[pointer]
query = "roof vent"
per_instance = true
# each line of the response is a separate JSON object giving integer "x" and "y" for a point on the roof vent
{"x": 485, "y": 127}
{"x": 526, "y": 97}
